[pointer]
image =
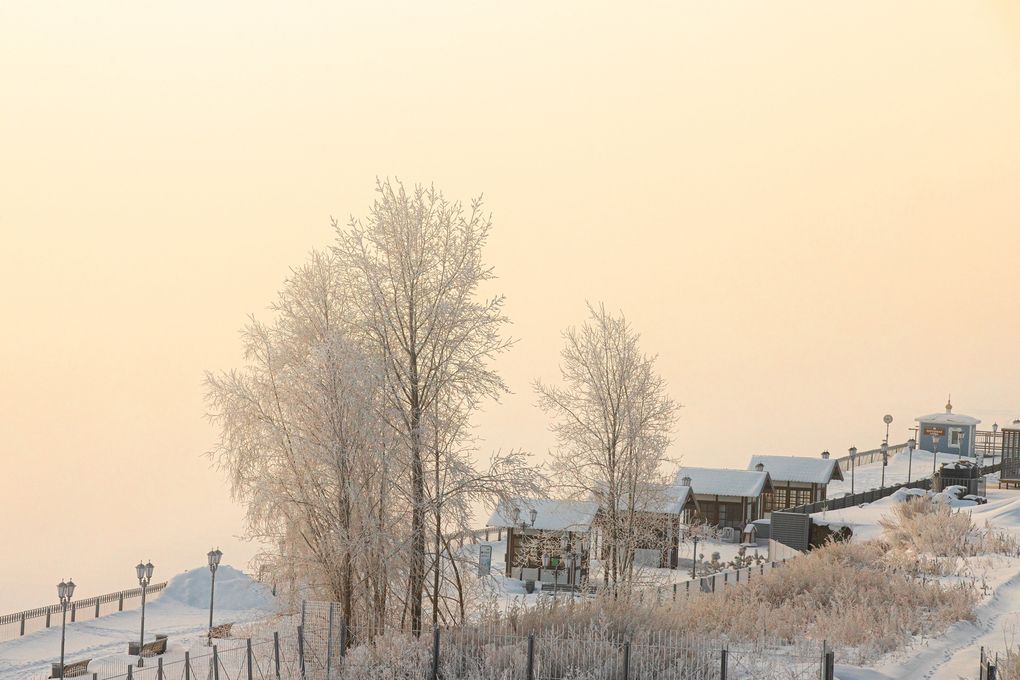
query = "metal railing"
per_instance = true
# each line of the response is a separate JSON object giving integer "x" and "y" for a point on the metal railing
{"x": 28, "y": 621}
{"x": 840, "y": 502}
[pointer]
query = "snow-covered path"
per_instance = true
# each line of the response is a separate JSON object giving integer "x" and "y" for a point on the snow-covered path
{"x": 956, "y": 652}
{"x": 181, "y": 612}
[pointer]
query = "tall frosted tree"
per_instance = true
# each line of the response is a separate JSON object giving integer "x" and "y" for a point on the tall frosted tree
{"x": 612, "y": 417}
{"x": 414, "y": 268}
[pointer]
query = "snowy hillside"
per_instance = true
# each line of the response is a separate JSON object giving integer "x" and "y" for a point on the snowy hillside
{"x": 181, "y": 611}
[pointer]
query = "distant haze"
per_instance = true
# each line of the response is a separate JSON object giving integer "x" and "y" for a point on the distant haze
{"x": 810, "y": 210}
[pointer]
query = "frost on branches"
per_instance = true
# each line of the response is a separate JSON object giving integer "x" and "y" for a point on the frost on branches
{"x": 346, "y": 433}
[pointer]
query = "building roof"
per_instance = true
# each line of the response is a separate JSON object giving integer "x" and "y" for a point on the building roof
{"x": 948, "y": 417}
{"x": 666, "y": 499}
{"x": 1015, "y": 425}
{"x": 799, "y": 468}
{"x": 724, "y": 482}
{"x": 553, "y": 514}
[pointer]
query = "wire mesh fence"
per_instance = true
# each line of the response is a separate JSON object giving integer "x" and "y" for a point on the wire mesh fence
{"x": 315, "y": 644}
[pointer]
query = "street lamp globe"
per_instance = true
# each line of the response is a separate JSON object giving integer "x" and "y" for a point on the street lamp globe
{"x": 140, "y": 571}
{"x": 853, "y": 452}
{"x": 70, "y": 588}
{"x": 534, "y": 515}
{"x": 911, "y": 443}
{"x": 61, "y": 591}
{"x": 148, "y": 571}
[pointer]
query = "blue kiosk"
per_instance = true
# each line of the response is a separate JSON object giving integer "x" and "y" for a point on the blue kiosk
{"x": 947, "y": 432}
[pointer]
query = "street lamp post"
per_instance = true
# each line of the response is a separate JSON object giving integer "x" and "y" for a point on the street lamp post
{"x": 887, "y": 419}
{"x": 853, "y": 467}
{"x": 214, "y": 563}
{"x": 934, "y": 456}
{"x": 885, "y": 460}
{"x": 694, "y": 557}
{"x": 995, "y": 430}
{"x": 65, "y": 591}
{"x": 144, "y": 573}
{"x": 911, "y": 443}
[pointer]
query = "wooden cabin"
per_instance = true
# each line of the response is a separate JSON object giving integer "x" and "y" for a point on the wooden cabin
{"x": 659, "y": 512}
{"x": 796, "y": 480}
{"x": 547, "y": 539}
{"x": 727, "y": 497}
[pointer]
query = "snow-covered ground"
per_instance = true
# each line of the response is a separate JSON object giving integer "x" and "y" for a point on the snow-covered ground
{"x": 181, "y": 612}
{"x": 954, "y": 653}
{"x": 870, "y": 476}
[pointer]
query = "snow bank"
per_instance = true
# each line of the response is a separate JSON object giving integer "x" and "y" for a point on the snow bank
{"x": 235, "y": 590}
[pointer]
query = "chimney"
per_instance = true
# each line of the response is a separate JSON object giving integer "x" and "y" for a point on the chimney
{"x": 686, "y": 481}
{"x": 825, "y": 455}
{"x": 760, "y": 467}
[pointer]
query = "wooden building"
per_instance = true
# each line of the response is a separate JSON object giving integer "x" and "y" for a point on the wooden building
{"x": 1010, "y": 473}
{"x": 547, "y": 539}
{"x": 725, "y": 497}
{"x": 658, "y": 514}
{"x": 796, "y": 480}
{"x": 947, "y": 432}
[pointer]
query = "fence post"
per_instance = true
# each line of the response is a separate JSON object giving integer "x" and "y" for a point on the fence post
{"x": 97, "y": 607}
{"x": 329, "y": 645}
{"x": 187, "y": 665}
{"x": 276, "y": 652}
{"x": 215, "y": 663}
{"x": 626, "y": 660}
{"x": 120, "y": 602}
{"x": 531, "y": 656}
{"x": 435, "y": 652}
{"x": 301, "y": 644}
{"x": 129, "y": 675}
{"x": 722, "y": 663}
{"x": 674, "y": 592}
{"x": 47, "y": 618}
{"x": 159, "y": 668}
{"x": 248, "y": 656}
{"x": 22, "y": 623}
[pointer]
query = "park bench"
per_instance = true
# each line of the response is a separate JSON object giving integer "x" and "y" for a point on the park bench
{"x": 71, "y": 670}
{"x": 222, "y": 630}
{"x": 154, "y": 648}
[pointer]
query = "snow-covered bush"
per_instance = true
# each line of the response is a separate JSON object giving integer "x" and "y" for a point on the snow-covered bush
{"x": 936, "y": 537}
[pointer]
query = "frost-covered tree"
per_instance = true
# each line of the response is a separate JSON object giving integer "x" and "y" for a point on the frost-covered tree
{"x": 612, "y": 418}
{"x": 303, "y": 445}
{"x": 414, "y": 267}
{"x": 347, "y": 432}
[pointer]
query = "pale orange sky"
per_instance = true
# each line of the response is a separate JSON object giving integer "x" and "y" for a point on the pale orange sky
{"x": 810, "y": 210}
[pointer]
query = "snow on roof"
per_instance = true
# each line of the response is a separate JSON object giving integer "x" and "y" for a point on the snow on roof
{"x": 724, "y": 482}
{"x": 553, "y": 514}
{"x": 1015, "y": 425}
{"x": 799, "y": 468}
{"x": 947, "y": 417}
{"x": 666, "y": 499}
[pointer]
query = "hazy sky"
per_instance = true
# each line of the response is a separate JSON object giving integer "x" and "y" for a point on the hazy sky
{"x": 810, "y": 210}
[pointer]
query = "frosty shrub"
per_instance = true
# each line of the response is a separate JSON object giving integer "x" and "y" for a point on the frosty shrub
{"x": 846, "y": 593}
{"x": 936, "y": 536}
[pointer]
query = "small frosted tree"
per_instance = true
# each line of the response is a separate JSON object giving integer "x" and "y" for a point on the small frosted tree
{"x": 303, "y": 447}
{"x": 612, "y": 418}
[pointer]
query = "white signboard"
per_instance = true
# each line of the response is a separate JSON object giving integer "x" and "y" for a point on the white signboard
{"x": 484, "y": 560}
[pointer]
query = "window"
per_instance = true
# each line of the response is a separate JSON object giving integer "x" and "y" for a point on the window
{"x": 955, "y": 437}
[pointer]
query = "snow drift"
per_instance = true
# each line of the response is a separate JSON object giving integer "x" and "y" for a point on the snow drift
{"x": 234, "y": 590}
